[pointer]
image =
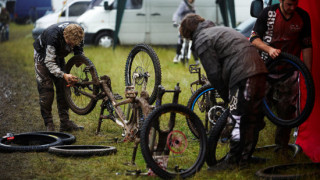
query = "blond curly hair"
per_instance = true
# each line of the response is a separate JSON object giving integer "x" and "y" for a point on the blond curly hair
{"x": 74, "y": 34}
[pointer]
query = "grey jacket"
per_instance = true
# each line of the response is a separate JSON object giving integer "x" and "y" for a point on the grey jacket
{"x": 182, "y": 10}
{"x": 226, "y": 55}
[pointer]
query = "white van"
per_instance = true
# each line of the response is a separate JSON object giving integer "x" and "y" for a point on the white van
{"x": 70, "y": 12}
{"x": 148, "y": 21}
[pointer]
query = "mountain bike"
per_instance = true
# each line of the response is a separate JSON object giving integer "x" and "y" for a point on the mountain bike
{"x": 185, "y": 51}
{"x": 280, "y": 69}
{"x": 208, "y": 105}
{"x": 205, "y": 101}
{"x": 142, "y": 77}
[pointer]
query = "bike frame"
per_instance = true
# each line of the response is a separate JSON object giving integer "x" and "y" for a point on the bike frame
{"x": 202, "y": 79}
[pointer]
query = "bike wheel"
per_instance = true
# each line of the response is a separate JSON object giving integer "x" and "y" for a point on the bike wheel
{"x": 280, "y": 69}
{"x": 208, "y": 105}
{"x": 81, "y": 97}
{"x": 66, "y": 138}
{"x": 217, "y": 146}
{"x": 168, "y": 146}
{"x": 144, "y": 61}
{"x": 28, "y": 142}
{"x": 290, "y": 171}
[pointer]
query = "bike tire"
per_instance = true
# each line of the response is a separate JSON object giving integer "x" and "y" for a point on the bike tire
{"x": 216, "y": 152}
{"x": 82, "y": 150}
{"x": 273, "y": 172}
{"x": 85, "y": 70}
{"x": 199, "y": 103}
{"x": 29, "y": 142}
{"x": 166, "y": 143}
{"x": 66, "y": 138}
{"x": 139, "y": 60}
{"x": 296, "y": 63}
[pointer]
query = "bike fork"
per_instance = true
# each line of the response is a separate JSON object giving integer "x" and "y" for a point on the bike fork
{"x": 134, "y": 154}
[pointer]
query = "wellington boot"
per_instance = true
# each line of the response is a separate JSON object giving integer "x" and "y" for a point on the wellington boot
{"x": 70, "y": 126}
{"x": 50, "y": 127}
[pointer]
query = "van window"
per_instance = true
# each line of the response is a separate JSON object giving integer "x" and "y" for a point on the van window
{"x": 94, "y": 3}
{"x": 77, "y": 9}
{"x": 131, "y": 4}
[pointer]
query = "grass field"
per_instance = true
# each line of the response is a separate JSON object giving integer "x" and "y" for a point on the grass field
{"x": 16, "y": 61}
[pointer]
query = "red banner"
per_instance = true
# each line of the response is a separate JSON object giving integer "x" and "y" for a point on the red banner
{"x": 309, "y": 131}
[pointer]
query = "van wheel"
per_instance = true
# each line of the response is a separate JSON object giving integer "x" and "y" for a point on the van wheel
{"x": 104, "y": 39}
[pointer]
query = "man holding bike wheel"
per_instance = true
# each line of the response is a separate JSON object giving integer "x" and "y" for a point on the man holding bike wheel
{"x": 284, "y": 27}
{"x": 235, "y": 68}
{"x": 50, "y": 49}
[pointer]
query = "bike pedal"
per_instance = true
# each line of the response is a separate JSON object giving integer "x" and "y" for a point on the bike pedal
{"x": 117, "y": 96}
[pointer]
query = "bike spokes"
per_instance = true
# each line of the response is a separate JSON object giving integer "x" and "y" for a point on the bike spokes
{"x": 173, "y": 146}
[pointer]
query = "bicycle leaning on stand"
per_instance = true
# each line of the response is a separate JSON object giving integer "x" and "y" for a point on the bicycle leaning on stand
{"x": 142, "y": 76}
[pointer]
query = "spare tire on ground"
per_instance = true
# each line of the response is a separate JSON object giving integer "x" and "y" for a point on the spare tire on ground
{"x": 82, "y": 150}
{"x": 28, "y": 142}
{"x": 66, "y": 138}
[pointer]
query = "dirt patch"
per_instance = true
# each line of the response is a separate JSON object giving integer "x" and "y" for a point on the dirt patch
{"x": 19, "y": 112}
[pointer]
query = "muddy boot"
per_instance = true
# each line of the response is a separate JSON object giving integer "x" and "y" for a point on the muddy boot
{"x": 50, "y": 126}
{"x": 69, "y": 126}
{"x": 226, "y": 164}
{"x": 232, "y": 158}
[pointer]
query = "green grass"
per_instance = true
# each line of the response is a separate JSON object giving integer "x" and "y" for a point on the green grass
{"x": 17, "y": 60}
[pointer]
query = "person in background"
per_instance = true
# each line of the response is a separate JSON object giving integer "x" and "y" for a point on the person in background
{"x": 4, "y": 21}
{"x": 50, "y": 49}
{"x": 280, "y": 28}
{"x": 235, "y": 68}
{"x": 184, "y": 8}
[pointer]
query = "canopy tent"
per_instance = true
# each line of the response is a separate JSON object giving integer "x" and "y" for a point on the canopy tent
{"x": 309, "y": 132}
{"x": 120, "y": 10}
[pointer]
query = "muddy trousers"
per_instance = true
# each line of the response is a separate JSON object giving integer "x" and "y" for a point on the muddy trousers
{"x": 46, "y": 82}
{"x": 284, "y": 96}
{"x": 246, "y": 113}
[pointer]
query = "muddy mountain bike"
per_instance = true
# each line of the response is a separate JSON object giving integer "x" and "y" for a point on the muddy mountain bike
{"x": 280, "y": 69}
{"x": 142, "y": 77}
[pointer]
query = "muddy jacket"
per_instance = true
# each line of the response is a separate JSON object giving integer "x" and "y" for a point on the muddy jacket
{"x": 226, "y": 55}
{"x": 53, "y": 48}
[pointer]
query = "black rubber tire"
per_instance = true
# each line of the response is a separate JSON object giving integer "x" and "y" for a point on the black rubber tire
{"x": 100, "y": 38}
{"x": 271, "y": 171}
{"x": 82, "y": 150}
{"x": 29, "y": 142}
{"x": 66, "y": 138}
{"x": 84, "y": 104}
{"x": 213, "y": 139}
{"x": 300, "y": 66}
{"x": 155, "y": 70}
{"x": 197, "y": 95}
{"x": 147, "y": 154}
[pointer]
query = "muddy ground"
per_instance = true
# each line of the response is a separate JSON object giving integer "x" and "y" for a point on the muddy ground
{"x": 19, "y": 112}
